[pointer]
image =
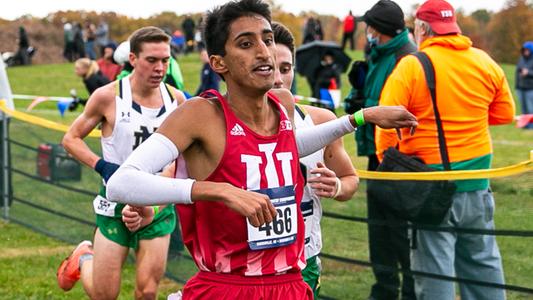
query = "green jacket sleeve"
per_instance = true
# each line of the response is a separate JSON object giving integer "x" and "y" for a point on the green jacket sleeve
{"x": 174, "y": 76}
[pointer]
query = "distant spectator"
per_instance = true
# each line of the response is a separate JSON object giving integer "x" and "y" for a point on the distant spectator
{"x": 348, "y": 31}
{"x": 79, "y": 44}
{"x": 198, "y": 36}
{"x": 68, "y": 34}
{"x": 188, "y": 27}
{"x": 524, "y": 80}
{"x": 107, "y": 65}
{"x": 208, "y": 78}
{"x": 102, "y": 36}
{"x": 22, "y": 55}
{"x": 90, "y": 36}
{"x": 90, "y": 73}
{"x": 319, "y": 33}
{"x": 309, "y": 30}
{"x": 326, "y": 75}
{"x": 177, "y": 43}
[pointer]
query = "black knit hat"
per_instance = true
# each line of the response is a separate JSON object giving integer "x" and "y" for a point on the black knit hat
{"x": 386, "y": 17}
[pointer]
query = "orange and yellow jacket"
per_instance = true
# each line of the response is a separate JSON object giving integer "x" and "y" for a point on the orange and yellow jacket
{"x": 472, "y": 93}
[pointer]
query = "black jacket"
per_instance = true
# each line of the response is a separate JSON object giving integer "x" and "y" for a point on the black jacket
{"x": 524, "y": 82}
{"x": 208, "y": 80}
{"x": 23, "y": 38}
{"x": 323, "y": 77}
{"x": 95, "y": 81}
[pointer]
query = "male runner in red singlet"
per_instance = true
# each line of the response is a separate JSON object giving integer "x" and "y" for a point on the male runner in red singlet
{"x": 242, "y": 223}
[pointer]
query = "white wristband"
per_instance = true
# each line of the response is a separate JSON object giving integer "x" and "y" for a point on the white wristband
{"x": 338, "y": 187}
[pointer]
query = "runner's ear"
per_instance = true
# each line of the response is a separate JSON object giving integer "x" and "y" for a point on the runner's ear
{"x": 132, "y": 59}
{"x": 217, "y": 64}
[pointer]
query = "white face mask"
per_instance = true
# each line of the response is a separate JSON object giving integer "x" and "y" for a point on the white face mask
{"x": 371, "y": 39}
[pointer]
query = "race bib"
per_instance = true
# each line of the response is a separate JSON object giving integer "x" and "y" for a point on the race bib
{"x": 282, "y": 230}
{"x": 104, "y": 207}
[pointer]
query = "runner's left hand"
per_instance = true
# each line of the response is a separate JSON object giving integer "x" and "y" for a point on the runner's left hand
{"x": 136, "y": 217}
{"x": 390, "y": 117}
{"x": 323, "y": 183}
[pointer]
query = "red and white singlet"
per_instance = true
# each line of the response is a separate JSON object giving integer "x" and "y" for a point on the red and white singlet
{"x": 222, "y": 241}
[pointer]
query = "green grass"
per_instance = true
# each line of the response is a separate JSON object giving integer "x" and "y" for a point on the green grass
{"x": 28, "y": 260}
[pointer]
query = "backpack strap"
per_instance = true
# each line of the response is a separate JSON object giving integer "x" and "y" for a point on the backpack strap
{"x": 404, "y": 50}
{"x": 429, "y": 71}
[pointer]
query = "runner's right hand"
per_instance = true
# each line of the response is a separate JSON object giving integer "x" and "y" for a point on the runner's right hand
{"x": 256, "y": 207}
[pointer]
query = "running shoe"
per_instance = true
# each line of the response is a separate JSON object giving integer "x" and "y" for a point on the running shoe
{"x": 69, "y": 270}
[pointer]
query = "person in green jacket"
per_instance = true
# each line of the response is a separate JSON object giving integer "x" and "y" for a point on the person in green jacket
{"x": 388, "y": 42}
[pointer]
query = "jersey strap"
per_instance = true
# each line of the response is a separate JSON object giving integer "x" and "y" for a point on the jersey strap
{"x": 169, "y": 89}
{"x": 300, "y": 110}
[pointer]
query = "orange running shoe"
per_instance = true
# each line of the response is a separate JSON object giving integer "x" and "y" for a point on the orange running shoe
{"x": 69, "y": 270}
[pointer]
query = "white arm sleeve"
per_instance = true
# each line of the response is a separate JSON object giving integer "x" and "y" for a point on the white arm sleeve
{"x": 135, "y": 181}
{"x": 312, "y": 139}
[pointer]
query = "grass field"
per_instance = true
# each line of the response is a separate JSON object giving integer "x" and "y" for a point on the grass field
{"x": 28, "y": 260}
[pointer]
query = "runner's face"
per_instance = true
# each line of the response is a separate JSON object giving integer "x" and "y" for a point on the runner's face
{"x": 284, "y": 73}
{"x": 250, "y": 53}
{"x": 152, "y": 62}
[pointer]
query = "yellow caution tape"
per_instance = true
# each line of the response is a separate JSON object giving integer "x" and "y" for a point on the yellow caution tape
{"x": 40, "y": 121}
{"x": 525, "y": 166}
{"x": 519, "y": 168}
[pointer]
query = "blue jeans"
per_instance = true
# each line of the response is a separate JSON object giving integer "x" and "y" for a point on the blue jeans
{"x": 463, "y": 255}
{"x": 89, "y": 50}
{"x": 526, "y": 103}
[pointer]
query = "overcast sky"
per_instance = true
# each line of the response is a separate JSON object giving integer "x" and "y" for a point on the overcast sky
{"x": 135, "y": 8}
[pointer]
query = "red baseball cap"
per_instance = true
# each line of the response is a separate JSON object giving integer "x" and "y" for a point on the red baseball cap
{"x": 440, "y": 15}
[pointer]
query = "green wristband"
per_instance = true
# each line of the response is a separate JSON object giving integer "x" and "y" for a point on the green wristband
{"x": 359, "y": 118}
{"x": 156, "y": 210}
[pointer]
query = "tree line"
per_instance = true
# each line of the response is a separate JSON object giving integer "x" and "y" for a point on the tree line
{"x": 500, "y": 33}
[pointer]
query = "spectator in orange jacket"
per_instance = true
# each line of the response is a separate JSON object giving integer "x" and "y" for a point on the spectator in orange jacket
{"x": 472, "y": 93}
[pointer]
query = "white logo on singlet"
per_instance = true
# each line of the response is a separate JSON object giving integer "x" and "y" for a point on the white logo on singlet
{"x": 285, "y": 125}
{"x": 253, "y": 173}
{"x": 283, "y": 229}
{"x": 237, "y": 130}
